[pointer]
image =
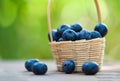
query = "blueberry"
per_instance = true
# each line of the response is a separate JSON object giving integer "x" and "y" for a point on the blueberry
{"x": 54, "y": 35}
{"x": 68, "y": 66}
{"x": 39, "y": 68}
{"x": 76, "y": 27}
{"x": 78, "y": 38}
{"x": 90, "y": 68}
{"x": 60, "y": 39}
{"x": 69, "y": 35}
{"x": 102, "y": 29}
{"x": 84, "y": 34}
{"x": 29, "y": 63}
{"x": 61, "y": 29}
{"x": 95, "y": 34}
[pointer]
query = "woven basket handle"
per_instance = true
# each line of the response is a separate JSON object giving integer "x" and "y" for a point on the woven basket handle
{"x": 49, "y": 18}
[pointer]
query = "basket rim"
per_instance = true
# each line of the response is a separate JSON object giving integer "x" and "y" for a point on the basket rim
{"x": 83, "y": 40}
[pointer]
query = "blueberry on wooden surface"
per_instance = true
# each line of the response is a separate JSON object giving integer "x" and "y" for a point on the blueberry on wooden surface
{"x": 39, "y": 68}
{"x": 90, "y": 68}
{"x": 68, "y": 66}
{"x": 29, "y": 63}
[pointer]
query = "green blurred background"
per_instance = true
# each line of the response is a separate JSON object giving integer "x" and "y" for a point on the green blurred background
{"x": 23, "y": 25}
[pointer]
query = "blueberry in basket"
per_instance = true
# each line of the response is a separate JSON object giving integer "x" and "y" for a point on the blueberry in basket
{"x": 75, "y": 32}
{"x": 84, "y": 34}
{"x": 39, "y": 68}
{"x": 61, "y": 29}
{"x": 29, "y": 63}
{"x": 76, "y": 27}
{"x": 78, "y": 37}
{"x": 102, "y": 29}
{"x": 60, "y": 39}
{"x": 95, "y": 34}
{"x": 54, "y": 35}
{"x": 69, "y": 35}
{"x": 90, "y": 68}
{"x": 68, "y": 66}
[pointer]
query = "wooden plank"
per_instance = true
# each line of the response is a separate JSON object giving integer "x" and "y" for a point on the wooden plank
{"x": 15, "y": 71}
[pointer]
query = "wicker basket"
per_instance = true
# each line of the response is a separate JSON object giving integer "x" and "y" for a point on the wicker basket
{"x": 79, "y": 51}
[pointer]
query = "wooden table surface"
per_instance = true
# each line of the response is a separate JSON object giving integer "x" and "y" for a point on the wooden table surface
{"x": 15, "y": 71}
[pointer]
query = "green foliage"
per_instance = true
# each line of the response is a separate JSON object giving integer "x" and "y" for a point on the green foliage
{"x": 23, "y": 25}
{"x": 8, "y": 12}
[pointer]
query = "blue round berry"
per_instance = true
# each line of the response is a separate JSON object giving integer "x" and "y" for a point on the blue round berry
{"x": 95, "y": 34}
{"x": 102, "y": 29}
{"x": 29, "y": 63}
{"x": 69, "y": 35}
{"x": 90, "y": 68}
{"x": 76, "y": 27}
{"x": 84, "y": 34}
{"x": 54, "y": 35}
{"x": 78, "y": 38}
{"x": 60, "y": 39}
{"x": 39, "y": 68}
{"x": 68, "y": 66}
{"x": 61, "y": 29}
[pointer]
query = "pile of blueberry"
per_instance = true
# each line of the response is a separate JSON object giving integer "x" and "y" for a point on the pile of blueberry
{"x": 35, "y": 66}
{"x": 68, "y": 66}
{"x": 76, "y": 32}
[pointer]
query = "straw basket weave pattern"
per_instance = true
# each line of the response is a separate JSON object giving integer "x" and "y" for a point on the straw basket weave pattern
{"x": 79, "y": 51}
